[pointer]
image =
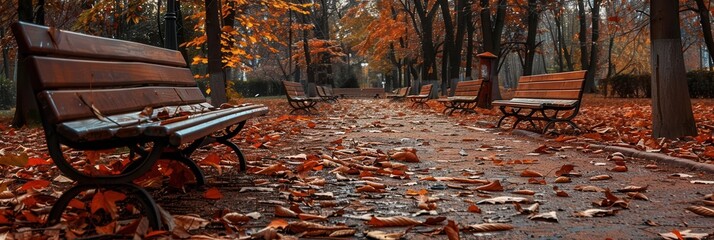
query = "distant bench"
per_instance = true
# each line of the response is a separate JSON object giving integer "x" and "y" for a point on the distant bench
{"x": 359, "y": 92}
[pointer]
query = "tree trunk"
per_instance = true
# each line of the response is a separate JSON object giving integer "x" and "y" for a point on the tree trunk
{"x": 492, "y": 31}
{"x": 583, "y": 36}
{"x": 531, "y": 37}
{"x": 213, "y": 34}
{"x": 40, "y": 13}
{"x": 671, "y": 106}
{"x": 561, "y": 38}
{"x": 26, "y": 109}
{"x": 5, "y": 55}
{"x": 469, "y": 44}
{"x": 428, "y": 71}
{"x": 706, "y": 27}
{"x": 310, "y": 70}
{"x": 594, "y": 49}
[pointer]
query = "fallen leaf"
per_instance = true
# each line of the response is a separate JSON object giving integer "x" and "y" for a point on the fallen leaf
{"x": 595, "y": 213}
{"x": 343, "y": 233}
{"x": 494, "y": 186}
{"x": 549, "y": 216}
{"x": 452, "y": 230}
{"x": 686, "y": 234}
{"x": 281, "y": 211}
{"x": 310, "y": 217}
{"x": 589, "y": 188}
{"x": 14, "y": 160}
{"x": 560, "y": 193}
{"x": 703, "y": 211}
{"x": 278, "y": 223}
{"x": 637, "y": 195}
{"x": 530, "y": 173}
{"x": 565, "y": 169}
{"x": 533, "y": 208}
{"x": 379, "y": 235}
{"x": 562, "y": 180}
{"x": 503, "y": 199}
{"x": 398, "y": 221}
{"x": 190, "y": 222}
{"x": 213, "y": 194}
{"x": 489, "y": 227}
{"x": 524, "y": 192}
{"x": 474, "y": 209}
{"x": 619, "y": 168}
{"x": 234, "y": 218}
{"x": 256, "y": 189}
{"x": 600, "y": 178}
{"x": 540, "y": 181}
{"x": 405, "y": 156}
{"x": 35, "y": 185}
{"x": 701, "y": 182}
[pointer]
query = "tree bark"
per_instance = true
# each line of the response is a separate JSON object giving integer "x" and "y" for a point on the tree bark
{"x": 213, "y": 34}
{"x": 561, "y": 38}
{"x": 492, "y": 31}
{"x": 531, "y": 36}
{"x": 470, "y": 29}
{"x": 426, "y": 19}
{"x": 671, "y": 106}
{"x": 181, "y": 33}
{"x": 5, "y": 62}
{"x": 26, "y": 109}
{"x": 705, "y": 21}
{"x": 583, "y": 36}
{"x": 594, "y": 49}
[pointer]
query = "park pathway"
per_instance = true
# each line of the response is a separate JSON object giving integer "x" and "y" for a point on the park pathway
{"x": 349, "y": 143}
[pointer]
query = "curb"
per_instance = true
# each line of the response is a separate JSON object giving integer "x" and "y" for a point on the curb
{"x": 680, "y": 162}
{"x": 629, "y": 152}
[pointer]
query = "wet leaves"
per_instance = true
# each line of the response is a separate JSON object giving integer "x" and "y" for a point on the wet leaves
{"x": 504, "y": 199}
{"x": 530, "y": 173}
{"x": 595, "y": 213}
{"x": 703, "y": 211}
{"x": 489, "y": 227}
{"x": 548, "y": 217}
{"x": 398, "y": 221}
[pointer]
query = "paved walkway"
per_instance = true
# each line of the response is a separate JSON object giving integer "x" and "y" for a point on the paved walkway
{"x": 351, "y": 141}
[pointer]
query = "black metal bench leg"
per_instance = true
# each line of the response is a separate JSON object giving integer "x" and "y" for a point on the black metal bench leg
{"x": 192, "y": 166}
{"x": 225, "y": 140}
{"x": 152, "y": 213}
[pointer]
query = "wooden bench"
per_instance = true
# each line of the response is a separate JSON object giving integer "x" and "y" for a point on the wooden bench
{"x": 547, "y": 95}
{"x": 326, "y": 93}
{"x": 465, "y": 97}
{"x": 98, "y": 93}
{"x": 422, "y": 97}
{"x": 297, "y": 98}
{"x": 399, "y": 94}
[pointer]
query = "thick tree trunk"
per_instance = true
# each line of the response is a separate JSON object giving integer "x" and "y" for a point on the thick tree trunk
{"x": 492, "y": 31}
{"x": 705, "y": 21}
{"x": 561, "y": 38}
{"x": 469, "y": 45}
{"x": 5, "y": 56}
{"x": 594, "y": 49}
{"x": 26, "y": 109}
{"x": 213, "y": 34}
{"x": 310, "y": 69}
{"x": 671, "y": 106}
{"x": 428, "y": 71}
{"x": 531, "y": 36}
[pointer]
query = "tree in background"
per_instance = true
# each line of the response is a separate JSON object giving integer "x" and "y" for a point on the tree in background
{"x": 671, "y": 107}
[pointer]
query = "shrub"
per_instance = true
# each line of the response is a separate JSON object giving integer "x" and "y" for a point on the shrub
{"x": 7, "y": 93}
{"x": 629, "y": 85}
{"x": 701, "y": 84}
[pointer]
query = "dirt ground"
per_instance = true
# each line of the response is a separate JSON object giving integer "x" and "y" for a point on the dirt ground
{"x": 448, "y": 147}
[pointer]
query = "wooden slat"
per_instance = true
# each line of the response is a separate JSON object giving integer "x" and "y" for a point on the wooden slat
{"x": 553, "y": 77}
{"x": 468, "y": 88}
{"x": 548, "y": 94}
{"x": 552, "y": 85}
{"x": 121, "y": 125}
{"x": 197, "y": 131}
{"x": 158, "y": 130}
{"x": 293, "y": 89}
{"x": 39, "y": 40}
{"x": 58, "y": 73}
{"x": 66, "y": 105}
{"x": 425, "y": 90}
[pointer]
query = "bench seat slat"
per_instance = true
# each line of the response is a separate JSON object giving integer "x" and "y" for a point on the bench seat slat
{"x": 53, "y": 74}
{"x": 67, "y": 105}
{"x": 553, "y": 77}
{"x": 156, "y": 129}
{"x": 552, "y": 85}
{"x": 187, "y": 135}
{"x": 121, "y": 125}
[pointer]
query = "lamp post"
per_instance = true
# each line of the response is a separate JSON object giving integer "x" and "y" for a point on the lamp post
{"x": 170, "y": 18}
{"x": 487, "y": 65}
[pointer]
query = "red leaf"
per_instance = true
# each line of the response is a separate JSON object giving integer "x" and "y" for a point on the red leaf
{"x": 213, "y": 194}
{"x": 37, "y": 162}
{"x": 35, "y": 184}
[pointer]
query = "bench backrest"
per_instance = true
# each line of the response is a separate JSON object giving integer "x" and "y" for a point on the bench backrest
{"x": 321, "y": 91}
{"x": 425, "y": 90}
{"x": 468, "y": 88}
{"x": 71, "y": 74}
{"x": 568, "y": 85}
{"x": 293, "y": 89}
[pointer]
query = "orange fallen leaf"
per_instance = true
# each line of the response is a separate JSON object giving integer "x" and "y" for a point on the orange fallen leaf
{"x": 213, "y": 194}
{"x": 308, "y": 217}
{"x": 565, "y": 169}
{"x": 405, "y": 156}
{"x": 35, "y": 184}
{"x": 494, "y": 186}
{"x": 530, "y": 173}
{"x": 392, "y": 222}
{"x": 474, "y": 209}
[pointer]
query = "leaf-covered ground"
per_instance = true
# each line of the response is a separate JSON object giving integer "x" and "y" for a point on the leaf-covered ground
{"x": 372, "y": 168}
